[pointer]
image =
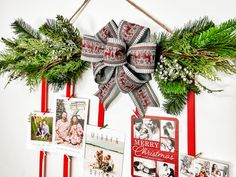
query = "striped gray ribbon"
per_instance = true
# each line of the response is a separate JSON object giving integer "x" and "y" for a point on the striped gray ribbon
{"x": 122, "y": 61}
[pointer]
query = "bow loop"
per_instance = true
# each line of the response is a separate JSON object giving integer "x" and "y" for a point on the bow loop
{"x": 142, "y": 57}
{"x": 108, "y": 31}
{"x": 114, "y": 53}
{"x": 132, "y": 33}
{"x": 122, "y": 62}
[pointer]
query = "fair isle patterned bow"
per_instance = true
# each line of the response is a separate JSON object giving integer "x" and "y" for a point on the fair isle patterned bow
{"x": 122, "y": 62}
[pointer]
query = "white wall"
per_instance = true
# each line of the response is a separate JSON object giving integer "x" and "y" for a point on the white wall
{"x": 216, "y": 136}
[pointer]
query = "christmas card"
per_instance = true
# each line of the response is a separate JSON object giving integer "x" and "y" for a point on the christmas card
{"x": 70, "y": 125}
{"x": 154, "y": 146}
{"x": 104, "y": 152}
{"x": 199, "y": 167}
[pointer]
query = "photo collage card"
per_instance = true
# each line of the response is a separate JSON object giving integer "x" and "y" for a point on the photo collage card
{"x": 191, "y": 167}
{"x": 154, "y": 146}
{"x": 104, "y": 152}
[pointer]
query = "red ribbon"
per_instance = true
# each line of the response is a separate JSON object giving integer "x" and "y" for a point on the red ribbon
{"x": 44, "y": 104}
{"x": 101, "y": 114}
{"x": 66, "y": 160}
{"x": 44, "y": 96}
{"x": 191, "y": 123}
{"x": 67, "y": 166}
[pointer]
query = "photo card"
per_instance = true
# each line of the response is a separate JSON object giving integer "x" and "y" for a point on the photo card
{"x": 70, "y": 125}
{"x": 154, "y": 146}
{"x": 187, "y": 166}
{"x": 200, "y": 167}
{"x": 209, "y": 168}
{"x": 104, "y": 152}
{"x": 41, "y": 130}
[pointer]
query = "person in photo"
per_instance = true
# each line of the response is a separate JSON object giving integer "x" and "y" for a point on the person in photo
{"x": 40, "y": 129}
{"x": 99, "y": 159}
{"x": 75, "y": 132}
{"x": 62, "y": 128}
{"x": 138, "y": 123}
{"x": 140, "y": 167}
{"x": 214, "y": 169}
{"x": 151, "y": 129}
{"x": 218, "y": 173}
{"x": 166, "y": 171}
{"x": 108, "y": 164}
{"x": 186, "y": 165}
{"x": 168, "y": 145}
{"x": 45, "y": 130}
{"x": 169, "y": 130}
{"x": 202, "y": 173}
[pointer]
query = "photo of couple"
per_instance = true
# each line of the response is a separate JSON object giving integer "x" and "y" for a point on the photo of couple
{"x": 144, "y": 167}
{"x": 167, "y": 129}
{"x": 41, "y": 128}
{"x": 165, "y": 169}
{"x": 146, "y": 129}
{"x": 103, "y": 162}
{"x": 71, "y": 118}
{"x": 150, "y": 168}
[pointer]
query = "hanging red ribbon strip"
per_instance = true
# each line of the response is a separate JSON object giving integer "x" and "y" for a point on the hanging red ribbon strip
{"x": 66, "y": 160}
{"x": 67, "y": 166}
{"x": 44, "y": 104}
{"x": 191, "y": 123}
{"x": 42, "y": 164}
{"x": 44, "y": 96}
{"x": 101, "y": 114}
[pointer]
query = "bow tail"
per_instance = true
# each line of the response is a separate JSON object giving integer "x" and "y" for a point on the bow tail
{"x": 143, "y": 97}
{"x": 107, "y": 92}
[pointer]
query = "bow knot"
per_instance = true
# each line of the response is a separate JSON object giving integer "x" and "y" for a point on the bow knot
{"x": 123, "y": 61}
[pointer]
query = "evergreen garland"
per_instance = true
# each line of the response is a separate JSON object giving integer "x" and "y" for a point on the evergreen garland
{"x": 52, "y": 52}
{"x": 199, "y": 48}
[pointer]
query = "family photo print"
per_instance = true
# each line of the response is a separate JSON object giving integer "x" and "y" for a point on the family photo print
{"x": 70, "y": 125}
{"x": 41, "y": 129}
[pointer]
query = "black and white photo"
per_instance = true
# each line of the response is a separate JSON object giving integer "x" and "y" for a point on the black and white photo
{"x": 147, "y": 129}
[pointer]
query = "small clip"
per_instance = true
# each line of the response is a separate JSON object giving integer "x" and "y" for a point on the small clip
{"x": 70, "y": 97}
{"x": 68, "y": 156}
{"x": 198, "y": 155}
{"x": 104, "y": 126}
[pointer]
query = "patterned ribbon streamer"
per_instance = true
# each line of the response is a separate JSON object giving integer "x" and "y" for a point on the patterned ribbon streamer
{"x": 123, "y": 61}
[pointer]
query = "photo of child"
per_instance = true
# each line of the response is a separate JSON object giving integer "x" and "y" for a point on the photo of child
{"x": 41, "y": 127}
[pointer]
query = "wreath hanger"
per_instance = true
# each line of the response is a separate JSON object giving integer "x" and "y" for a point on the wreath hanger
{"x": 75, "y": 16}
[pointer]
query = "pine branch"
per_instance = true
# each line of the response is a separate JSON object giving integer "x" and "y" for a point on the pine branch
{"x": 24, "y": 30}
{"x": 9, "y": 43}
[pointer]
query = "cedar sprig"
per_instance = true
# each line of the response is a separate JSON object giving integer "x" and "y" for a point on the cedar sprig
{"x": 52, "y": 52}
{"x": 200, "y": 47}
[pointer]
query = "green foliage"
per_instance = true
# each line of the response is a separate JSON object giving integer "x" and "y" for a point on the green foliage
{"x": 52, "y": 52}
{"x": 201, "y": 48}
